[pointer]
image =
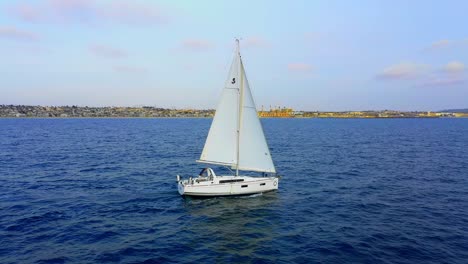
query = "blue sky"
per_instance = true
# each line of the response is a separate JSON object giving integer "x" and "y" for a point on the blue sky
{"x": 309, "y": 55}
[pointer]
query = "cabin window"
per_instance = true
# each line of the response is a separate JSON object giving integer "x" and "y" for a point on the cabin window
{"x": 227, "y": 181}
{"x": 243, "y": 186}
{"x": 261, "y": 184}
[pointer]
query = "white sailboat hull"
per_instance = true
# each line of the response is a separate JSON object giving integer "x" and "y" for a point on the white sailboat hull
{"x": 227, "y": 186}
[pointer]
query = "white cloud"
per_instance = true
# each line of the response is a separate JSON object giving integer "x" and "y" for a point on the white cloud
{"x": 17, "y": 34}
{"x": 439, "y": 81}
{"x": 441, "y": 44}
{"x": 450, "y": 74}
{"x": 299, "y": 67}
{"x": 454, "y": 67}
{"x": 197, "y": 45}
{"x": 445, "y": 44}
{"x": 87, "y": 12}
{"x": 129, "y": 69}
{"x": 404, "y": 70}
{"x": 107, "y": 51}
{"x": 255, "y": 41}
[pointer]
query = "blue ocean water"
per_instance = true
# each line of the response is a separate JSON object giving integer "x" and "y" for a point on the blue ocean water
{"x": 353, "y": 191}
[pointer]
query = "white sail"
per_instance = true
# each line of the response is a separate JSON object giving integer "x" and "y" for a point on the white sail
{"x": 236, "y": 135}
{"x": 254, "y": 154}
{"x": 221, "y": 143}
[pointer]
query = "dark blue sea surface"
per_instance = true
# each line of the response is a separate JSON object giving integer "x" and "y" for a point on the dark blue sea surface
{"x": 352, "y": 191}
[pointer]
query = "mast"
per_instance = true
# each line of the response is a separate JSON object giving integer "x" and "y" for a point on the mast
{"x": 240, "y": 106}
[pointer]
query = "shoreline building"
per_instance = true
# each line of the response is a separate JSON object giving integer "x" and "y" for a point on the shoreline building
{"x": 276, "y": 112}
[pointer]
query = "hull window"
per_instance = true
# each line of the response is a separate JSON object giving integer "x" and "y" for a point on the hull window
{"x": 262, "y": 184}
{"x": 244, "y": 186}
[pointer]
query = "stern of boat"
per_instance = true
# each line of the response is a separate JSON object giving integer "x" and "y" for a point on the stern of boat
{"x": 180, "y": 185}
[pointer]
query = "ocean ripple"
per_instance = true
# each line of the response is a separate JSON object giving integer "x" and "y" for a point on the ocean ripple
{"x": 353, "y": 191}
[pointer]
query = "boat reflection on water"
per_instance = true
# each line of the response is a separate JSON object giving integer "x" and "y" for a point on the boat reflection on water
{"x": 235, "y": 227}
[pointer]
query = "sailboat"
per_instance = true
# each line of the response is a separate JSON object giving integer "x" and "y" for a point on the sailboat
{"x": 235, "y": 140}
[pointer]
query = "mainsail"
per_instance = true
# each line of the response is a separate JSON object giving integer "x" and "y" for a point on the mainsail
{"x": 236, "y": 135}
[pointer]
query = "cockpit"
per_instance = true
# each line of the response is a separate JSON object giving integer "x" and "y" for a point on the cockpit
{"x": 206, "y": 174}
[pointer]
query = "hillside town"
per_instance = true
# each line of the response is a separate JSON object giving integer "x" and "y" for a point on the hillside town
{"x": 27, "y": 111}
{"x": 85, "y": 111}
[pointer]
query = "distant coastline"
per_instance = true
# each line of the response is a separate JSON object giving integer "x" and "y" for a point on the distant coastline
{"x": 29, "y": 111}
{"x": 25, "y": 111}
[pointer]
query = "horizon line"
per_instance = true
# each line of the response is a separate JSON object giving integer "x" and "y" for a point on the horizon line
{"x": 212, "y": 109}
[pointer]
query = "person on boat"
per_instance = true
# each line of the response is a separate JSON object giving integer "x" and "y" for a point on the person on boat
{"x": 202, "y": 171}
{"x": 206, "y": 174}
